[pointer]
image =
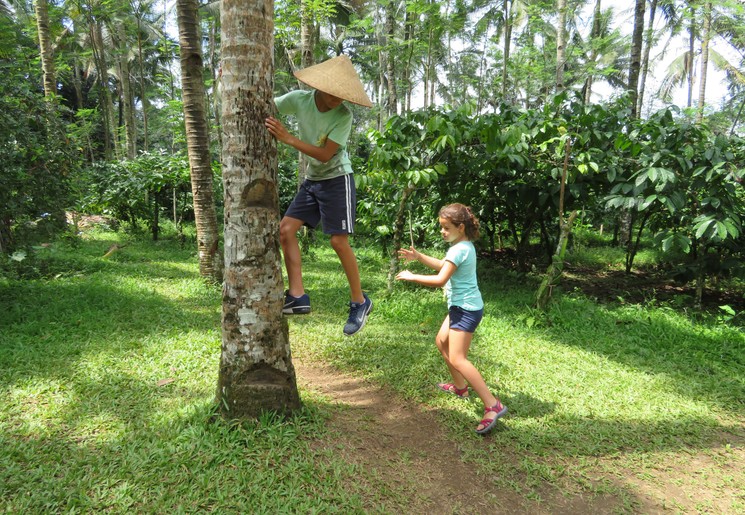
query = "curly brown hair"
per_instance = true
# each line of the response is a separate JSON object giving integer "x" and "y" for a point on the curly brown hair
{"x": 460, "y": 214}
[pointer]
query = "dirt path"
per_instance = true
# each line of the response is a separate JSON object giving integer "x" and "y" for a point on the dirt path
{"x": 407, "y": 450}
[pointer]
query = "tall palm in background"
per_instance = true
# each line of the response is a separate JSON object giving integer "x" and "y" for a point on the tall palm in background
{"x": 198, "y": 140}
{"x": 45, "y": 46}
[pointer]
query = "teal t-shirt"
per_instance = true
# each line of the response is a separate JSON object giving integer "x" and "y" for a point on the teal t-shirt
{"x": 315, "y": 127}
{"x": 463, "y": 289}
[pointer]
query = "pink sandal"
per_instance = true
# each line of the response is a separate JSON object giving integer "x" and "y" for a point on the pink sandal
{"x": 489, "y": 423}
{"x": 451, "y": 388}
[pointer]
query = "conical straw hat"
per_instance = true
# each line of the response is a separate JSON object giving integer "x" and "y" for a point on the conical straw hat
{"x": 337, "y": 77}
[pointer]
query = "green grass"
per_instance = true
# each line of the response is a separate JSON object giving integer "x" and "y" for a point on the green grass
{"x": 594, "y": 391}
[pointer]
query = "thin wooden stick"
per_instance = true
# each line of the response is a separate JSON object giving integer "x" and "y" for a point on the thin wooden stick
{"x": 411, "y": 232}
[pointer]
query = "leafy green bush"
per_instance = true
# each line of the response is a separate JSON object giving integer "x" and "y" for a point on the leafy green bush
{"x": 36, "y": 157}
{"x": 136, "y": 190}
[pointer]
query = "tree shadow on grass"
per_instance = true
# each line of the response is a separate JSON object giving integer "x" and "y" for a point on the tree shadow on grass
{"x": 43, "y": 322}
{"x": 412, "y": 366}
{"x": 697, "y": 362}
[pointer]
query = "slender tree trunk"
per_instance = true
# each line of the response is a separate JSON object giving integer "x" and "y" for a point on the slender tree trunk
{"x": 561, "y": 35}
{"x": 398, "y": 237}
{"x": 408, "y": 37}
{"x": 689, "y": 61}
{"x": 706, "y": 37}
{"x": 390, "y": 34}
{"x": 480, "y": 102}
{"x": 256, "y": 371}
{"x": 648, "y": 43}
{"x": 306, "y": 34}
{"x": 141, "y": 81}
{"x": 197, "y": 140}
{"x": 307, "y": 44}
{"x": 214, "y": 67}
{"x": 45, "y": 48}
{"x": 107, "y": 106}
{"x": 594, "y": 36}
{"x": 636, "y": 55}
{"x": 508, "y": 6}
{"x": 128, "y": 107}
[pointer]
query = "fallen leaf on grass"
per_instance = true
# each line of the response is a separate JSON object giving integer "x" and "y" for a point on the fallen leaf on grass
{"x": 166, "y": 381}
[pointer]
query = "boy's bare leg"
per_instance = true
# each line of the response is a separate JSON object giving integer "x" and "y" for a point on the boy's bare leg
{"x": 340, "y": 244}
{"x": 288, "y": 229}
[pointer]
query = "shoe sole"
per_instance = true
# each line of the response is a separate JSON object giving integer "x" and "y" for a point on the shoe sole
{"x": 451, "y": 393}
{"x": 364, "y": 321}
{"x": 296, "y": 311}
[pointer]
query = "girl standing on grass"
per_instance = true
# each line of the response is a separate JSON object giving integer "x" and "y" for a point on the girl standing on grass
{"x": 457, "y": 272}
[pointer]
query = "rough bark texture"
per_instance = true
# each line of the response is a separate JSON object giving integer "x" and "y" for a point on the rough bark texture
{"x": 704, "y": 62}
{"x": 128, "y": 107}
{"x": 636, "y": 54}
{"x": 561, "y": 35}
{"x": 256, "y": 371}
{"x": 648, "y": 43}
{"x": 390, "y": 34}
{"x": 197, "y": 140}
{"x": 45, "y": 48}
{"x": 107, "y": 107}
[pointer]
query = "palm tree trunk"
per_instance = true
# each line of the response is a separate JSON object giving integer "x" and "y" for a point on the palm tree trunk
{"x": 143, "y": 95}
{"x": 307, "y": 44}
{"x": 197, "y": 140}
{"x": 689, "y": 61}
{"x": 390, "y": 32}
{"x": 45, "y": 48}
{"x": 636, "y": 55}
{"x": 508, "y": 5}
{"x": 107, "y": 107}
{"x": 561, "y": 34}
{"x": 214, "y": 67}
{"x": 648, "y": 43}
{"x": 256, "y": 371}
{"x": 408, "y": 36}
{"x": 594, "y": 36}
{"x": 704, "y": 62}
{"x": 125, "y": 79}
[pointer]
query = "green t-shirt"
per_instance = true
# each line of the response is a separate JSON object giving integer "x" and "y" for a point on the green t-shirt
{"x": 315, "y": 127}
{"x": 463, "y": 289}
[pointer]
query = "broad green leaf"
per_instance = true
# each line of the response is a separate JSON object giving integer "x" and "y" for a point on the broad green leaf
{"x": 702, "y": 227}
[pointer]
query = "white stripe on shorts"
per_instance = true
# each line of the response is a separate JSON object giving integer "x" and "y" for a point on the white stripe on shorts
{"x": 348, "y": 196}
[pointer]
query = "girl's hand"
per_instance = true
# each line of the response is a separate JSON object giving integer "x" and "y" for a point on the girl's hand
{"x": 405, "y": 275}
{"x": 277, "y": 130}
{"x": 409, "y": 254}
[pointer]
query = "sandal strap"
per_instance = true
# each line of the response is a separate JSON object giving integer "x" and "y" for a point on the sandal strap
{"x": 494, "y": 409}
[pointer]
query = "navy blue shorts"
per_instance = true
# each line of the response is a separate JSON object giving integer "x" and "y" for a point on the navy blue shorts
{"x": 465, "y": 320}
{"x": 333, "y": 203}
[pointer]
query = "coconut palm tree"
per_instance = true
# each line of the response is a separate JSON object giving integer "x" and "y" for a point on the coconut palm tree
{"x": 637, "y": 40}
{"x": 45, "y": 47}
{"x": 256, "y": 371}
{"x": 198, "y": 139}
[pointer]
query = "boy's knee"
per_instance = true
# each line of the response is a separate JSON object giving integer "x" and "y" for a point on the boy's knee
{"x": 286, "y": 230}
{"x": 339, "y": 241}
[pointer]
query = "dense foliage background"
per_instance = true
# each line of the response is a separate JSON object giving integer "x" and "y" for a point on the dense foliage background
{"x": 483, "y": 103}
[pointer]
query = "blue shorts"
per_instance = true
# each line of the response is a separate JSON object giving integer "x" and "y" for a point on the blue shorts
{"x": 332, "y": 202}
{"x": 465, "y": 320}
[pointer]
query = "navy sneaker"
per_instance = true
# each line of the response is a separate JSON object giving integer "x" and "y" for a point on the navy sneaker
{"x": 296, "y": 305}
{"x": 358, "y": 313}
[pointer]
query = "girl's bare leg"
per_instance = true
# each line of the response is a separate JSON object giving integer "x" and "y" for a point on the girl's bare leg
{"x": 442, "y": 340}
